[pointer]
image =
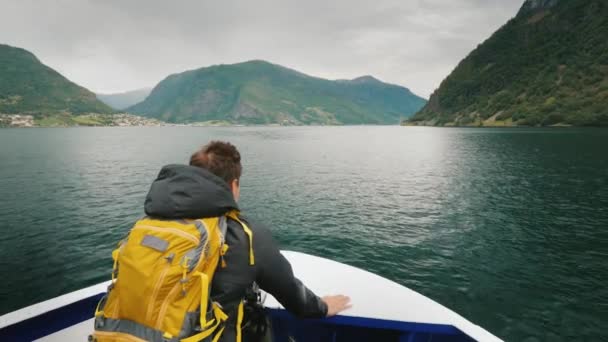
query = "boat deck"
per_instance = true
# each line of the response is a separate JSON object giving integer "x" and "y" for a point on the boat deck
{"x": 382, "y": 310}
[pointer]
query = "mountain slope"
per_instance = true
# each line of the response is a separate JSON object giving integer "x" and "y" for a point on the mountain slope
{"x": 124, "y": 100}
{"x": 29, "y": 87}
{"x": 258, "y": 92}
{"x": 548, "y": 65}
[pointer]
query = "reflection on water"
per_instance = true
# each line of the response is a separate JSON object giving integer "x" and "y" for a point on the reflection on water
{"x": 506, "y": 227}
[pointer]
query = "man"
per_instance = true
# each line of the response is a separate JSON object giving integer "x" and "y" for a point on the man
{"x": 210, "y": 187}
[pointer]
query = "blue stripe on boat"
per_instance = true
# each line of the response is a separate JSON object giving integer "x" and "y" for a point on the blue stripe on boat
{"x": 51, "y": 321}
{"x": 285, "y": 325}
{"x": 345, "y": 328}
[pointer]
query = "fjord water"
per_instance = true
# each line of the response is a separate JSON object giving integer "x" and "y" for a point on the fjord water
{"x": 508, "y": 227}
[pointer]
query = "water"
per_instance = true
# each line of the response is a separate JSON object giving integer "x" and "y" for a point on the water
{"x": 507, "y": 227}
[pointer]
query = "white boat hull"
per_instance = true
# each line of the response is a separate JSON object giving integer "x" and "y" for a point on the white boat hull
{"x": 380, "y": 307}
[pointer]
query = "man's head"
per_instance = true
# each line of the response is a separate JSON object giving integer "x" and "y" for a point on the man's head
{"x": 223, "y": 160}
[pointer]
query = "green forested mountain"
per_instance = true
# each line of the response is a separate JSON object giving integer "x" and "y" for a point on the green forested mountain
{"x": 547, "y": 66}
{"x": 29, "y": 87}
{"x": 124, "y": 100}
{"x": 258, "y": 92}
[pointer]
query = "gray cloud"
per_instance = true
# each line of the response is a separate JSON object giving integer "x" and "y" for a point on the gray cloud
{"x": 117, "y": 45}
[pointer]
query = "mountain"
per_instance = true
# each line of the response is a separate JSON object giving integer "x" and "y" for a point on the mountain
{"x": 120, "y": 101}
{"x": 29, "y": 87}
{"x": 546, "y": 66}
{"x": 258, "y": 92}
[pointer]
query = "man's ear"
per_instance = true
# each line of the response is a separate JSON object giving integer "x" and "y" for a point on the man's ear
{"x": 236, "y": 190}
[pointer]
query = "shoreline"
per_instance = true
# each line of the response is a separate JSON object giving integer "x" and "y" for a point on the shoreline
{"x": 320, "y": 126}
{"x": 555, "y": 126}
{"x": 130, "y": 120}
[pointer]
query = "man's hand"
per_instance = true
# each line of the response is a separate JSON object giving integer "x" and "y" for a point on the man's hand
{"x": 336, "y": 304}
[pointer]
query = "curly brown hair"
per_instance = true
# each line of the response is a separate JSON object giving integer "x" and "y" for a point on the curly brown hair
{"x": 220, "y": 158}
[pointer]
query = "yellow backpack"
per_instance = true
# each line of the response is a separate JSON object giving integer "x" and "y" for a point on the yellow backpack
{"x": 161, "y": 282}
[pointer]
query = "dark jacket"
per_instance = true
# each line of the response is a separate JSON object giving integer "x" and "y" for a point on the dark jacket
{"x": 182, "y": 191}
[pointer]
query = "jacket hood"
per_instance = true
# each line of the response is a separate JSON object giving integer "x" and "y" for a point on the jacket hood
{"x": 183, "y": 191}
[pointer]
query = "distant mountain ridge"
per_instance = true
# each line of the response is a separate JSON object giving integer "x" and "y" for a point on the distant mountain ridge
{"x": 29, "y": 87}
{"x": 120, "y": 101}
{"x": 259, "y": 92}
{"x": 546, "y": 66}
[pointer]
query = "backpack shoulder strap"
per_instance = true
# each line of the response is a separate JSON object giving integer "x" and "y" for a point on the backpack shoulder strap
{"x": 235, "y": 216}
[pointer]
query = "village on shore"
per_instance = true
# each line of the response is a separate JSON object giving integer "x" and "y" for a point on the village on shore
{"x": 92, "y": 120}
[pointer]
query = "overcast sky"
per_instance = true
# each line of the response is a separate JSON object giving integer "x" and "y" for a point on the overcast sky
{"x": 118, "y": 45}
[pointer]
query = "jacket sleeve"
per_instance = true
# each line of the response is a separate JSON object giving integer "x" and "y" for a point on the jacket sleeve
{"x": 275, "y": 276}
